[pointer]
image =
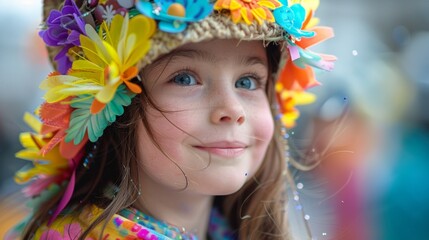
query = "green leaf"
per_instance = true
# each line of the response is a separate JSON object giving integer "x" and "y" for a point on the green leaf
{"x": 82, "y": 121}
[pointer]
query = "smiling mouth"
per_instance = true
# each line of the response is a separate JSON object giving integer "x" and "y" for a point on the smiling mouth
{"x": 226, "y": 150}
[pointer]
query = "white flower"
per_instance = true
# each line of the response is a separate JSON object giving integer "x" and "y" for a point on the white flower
{"x": 108, "y": 14}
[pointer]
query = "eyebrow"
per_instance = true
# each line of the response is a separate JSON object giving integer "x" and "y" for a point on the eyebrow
{"x": 211, "y": 58}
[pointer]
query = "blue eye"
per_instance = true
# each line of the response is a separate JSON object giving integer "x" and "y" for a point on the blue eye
{"x": 246, "y": 82}
{"x": 184, "y": 79}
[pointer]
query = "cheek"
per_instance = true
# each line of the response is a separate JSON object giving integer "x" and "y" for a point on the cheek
{"x": 263, "y": 130}
{"x": 263, "y": 124}
{"x": 159, "y": 159}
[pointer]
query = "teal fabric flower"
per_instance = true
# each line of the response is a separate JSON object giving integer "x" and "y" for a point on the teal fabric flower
{"x": 174, "y": 15}
{"x": 82, "y": 121}
{"x": 303, "y": 57}
{"x": 291, "y": 19}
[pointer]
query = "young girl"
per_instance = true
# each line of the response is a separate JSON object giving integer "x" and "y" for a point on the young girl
{"x": 166, "y": 119}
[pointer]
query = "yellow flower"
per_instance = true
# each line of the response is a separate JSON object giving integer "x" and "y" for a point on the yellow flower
{"x": 249, "y": 10}
{"x": 48, "y": 166}
{"x": 288, "y": 100}
{"x": 110, "y": 59}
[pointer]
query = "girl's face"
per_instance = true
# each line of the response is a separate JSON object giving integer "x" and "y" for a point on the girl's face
{"x": 215, "y": 122}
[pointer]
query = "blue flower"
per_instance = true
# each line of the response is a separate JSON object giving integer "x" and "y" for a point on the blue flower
{"x": 174, "y": 15}
{"x": 291, "y": 19}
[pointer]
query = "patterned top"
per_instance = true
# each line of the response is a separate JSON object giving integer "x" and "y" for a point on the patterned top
{"x": 128, "y": 224}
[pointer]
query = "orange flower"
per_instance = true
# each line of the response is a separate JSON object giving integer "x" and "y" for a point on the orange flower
{"x": 249, "y": 10}
{"x": 55, "y": 122}
{"x": 293, "y": 76}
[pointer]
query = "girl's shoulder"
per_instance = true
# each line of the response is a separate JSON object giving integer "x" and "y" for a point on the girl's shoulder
{"x": 118, "y": 227}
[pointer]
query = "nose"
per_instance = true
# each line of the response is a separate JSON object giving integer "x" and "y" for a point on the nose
{"x": 228, "y": 110}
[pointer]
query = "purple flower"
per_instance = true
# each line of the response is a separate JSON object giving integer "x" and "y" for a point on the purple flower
{"x": 63, "y": 30}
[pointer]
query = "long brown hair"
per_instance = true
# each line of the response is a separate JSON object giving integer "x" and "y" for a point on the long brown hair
{"x": 257, "y": 211}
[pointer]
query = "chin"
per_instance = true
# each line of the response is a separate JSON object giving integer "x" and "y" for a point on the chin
{"x": 225, "y": 186}
{"x": 229, "y": 191}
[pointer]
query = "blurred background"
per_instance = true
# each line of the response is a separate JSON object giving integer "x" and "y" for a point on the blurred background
{"x": 370, "y": 125}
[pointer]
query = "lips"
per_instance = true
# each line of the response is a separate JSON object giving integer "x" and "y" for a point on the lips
{"x": 224, "y": 149}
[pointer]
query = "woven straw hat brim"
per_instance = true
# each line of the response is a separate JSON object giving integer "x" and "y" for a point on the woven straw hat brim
{"x": 215, "y": 26}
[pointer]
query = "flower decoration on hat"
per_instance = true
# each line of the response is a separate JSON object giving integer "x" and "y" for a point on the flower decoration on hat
{"x": 249, "y": 10}
{"x": 297, "y": 74}
{"x": 55, "y": 118}
{"x": 289, "y": 100}
{"x": 48, "y": 168}
{"x": 54, "y": 160}
{"x": 83, "y": 99}
{"x": 174, "y": 15}
{"x": 63, "y": 29}
{"x": 291, "y": 19}
{"x": 84, "y": 122}
{"x": 107, "y": 64}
